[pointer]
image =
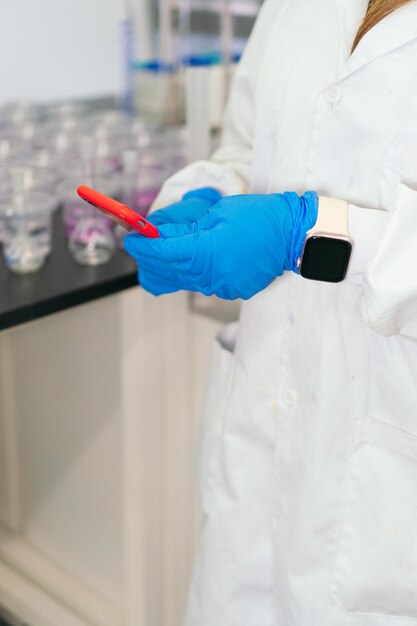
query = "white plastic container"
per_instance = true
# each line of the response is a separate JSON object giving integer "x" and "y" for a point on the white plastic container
{"x": 158, "y": 93}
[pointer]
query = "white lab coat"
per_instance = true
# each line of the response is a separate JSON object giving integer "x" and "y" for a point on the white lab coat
{"x": 309, "y": 449}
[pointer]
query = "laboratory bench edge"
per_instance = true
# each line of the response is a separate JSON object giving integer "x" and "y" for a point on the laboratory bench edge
{"x": 61, "y": 283}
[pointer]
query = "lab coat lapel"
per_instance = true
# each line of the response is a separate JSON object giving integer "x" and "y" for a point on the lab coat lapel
{"x": 352, "y": 13}
{"x": 394, "y": 31}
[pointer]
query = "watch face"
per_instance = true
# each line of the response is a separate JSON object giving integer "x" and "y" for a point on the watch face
{"x": 326, "y": 259}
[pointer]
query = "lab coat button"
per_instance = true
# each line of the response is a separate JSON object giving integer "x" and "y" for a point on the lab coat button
{"x": 333, "y": 95}
{"x": 288, "y": 399}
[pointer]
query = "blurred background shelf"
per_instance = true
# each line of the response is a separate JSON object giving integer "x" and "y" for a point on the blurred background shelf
{"x": 237, "y": 8}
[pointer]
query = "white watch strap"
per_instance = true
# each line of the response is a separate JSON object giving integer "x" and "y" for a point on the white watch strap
{"x": 332, "y": 218}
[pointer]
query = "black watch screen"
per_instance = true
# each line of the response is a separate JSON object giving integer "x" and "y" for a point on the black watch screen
{"x": 326, "y": 259}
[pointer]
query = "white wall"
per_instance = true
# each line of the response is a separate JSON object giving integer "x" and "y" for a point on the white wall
{"x": 56, "y": 49}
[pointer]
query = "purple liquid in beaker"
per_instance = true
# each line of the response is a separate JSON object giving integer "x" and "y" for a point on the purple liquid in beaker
{"x": 144, "y": 198}
{"x": 74, "y": 212}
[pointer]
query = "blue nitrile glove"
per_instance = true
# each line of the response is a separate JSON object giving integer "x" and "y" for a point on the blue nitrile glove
{"x": 234, "y": 251}
{"x": 194, "y": 205}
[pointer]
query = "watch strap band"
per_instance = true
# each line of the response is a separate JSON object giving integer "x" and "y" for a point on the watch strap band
{"x": 332, "y": 218}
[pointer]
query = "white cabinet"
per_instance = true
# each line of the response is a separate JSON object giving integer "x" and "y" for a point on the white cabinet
{"x": 98, "y": 419}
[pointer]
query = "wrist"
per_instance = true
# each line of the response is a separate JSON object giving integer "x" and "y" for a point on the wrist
{"x": 304, "y": 212}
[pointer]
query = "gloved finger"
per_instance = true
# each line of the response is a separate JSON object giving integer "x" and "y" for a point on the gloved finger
{"x": 190, "y": 255}
{"x": 194, "y": 205}
{"x": 189, "y": 273}
{"x": 156, "y": 284}
{"x": 168, "y": 250}
{"x": 165, "y": 271}
{"x": 184, "y": 277}
{"x": 180, "y": 213}
{"x": 168, "y": 231}
{"x": 174, "y": 213}
{"x": 160, "y": 282}
{"x": 171, "y": 231}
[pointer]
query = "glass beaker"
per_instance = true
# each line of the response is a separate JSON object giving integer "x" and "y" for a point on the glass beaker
{"x": 107, "y": 150}
{"x": 151, "y": 178}
{"x": 92, "y": 241}
{"x": 34, "y": 178}
{"x": 129, "y": 186}
{"x": 169, "y": 147}
{"x": 27, "y": 218}
{"x": 63, "y": 141}
{"x": 23, "y": 134}
{"x": 43, "y": 159}
{"x": 72, "y": 167}
{"x": 74, "y": 206}
{"x": 108, "y": 118}
{"x": 17, "y": 112}
{"x": 130, "y": 177}
{"x": 4, "y": 194}
{"x": 14, "y": 151}
{"x": 62, "y": 111}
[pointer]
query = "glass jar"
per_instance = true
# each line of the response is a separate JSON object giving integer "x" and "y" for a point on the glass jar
{"x": 27, "y": 219}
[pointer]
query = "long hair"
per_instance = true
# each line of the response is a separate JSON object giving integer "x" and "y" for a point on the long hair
{"x": 377, "y": 10}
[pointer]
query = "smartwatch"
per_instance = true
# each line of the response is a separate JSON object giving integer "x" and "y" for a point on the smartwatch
{"x": 328, "y": 246}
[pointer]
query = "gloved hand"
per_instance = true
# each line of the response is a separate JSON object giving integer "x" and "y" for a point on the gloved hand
{"x": 236, "y": 249}
{"x": 194, "y": 205}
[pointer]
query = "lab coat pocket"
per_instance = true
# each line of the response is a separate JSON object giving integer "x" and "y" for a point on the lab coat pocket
{"x": 376, "y": 564}
{"x": 214, "y": 412}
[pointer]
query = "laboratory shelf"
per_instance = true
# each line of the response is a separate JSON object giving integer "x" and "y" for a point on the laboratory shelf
{"x": 60, "y": 284}
{"x": 238, "y": 8}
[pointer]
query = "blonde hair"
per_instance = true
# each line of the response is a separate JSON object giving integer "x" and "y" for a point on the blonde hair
{"x": 377, "y": 10}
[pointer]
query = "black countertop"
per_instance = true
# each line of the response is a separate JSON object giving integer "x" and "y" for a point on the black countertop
{"x": 60, "y": 284}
